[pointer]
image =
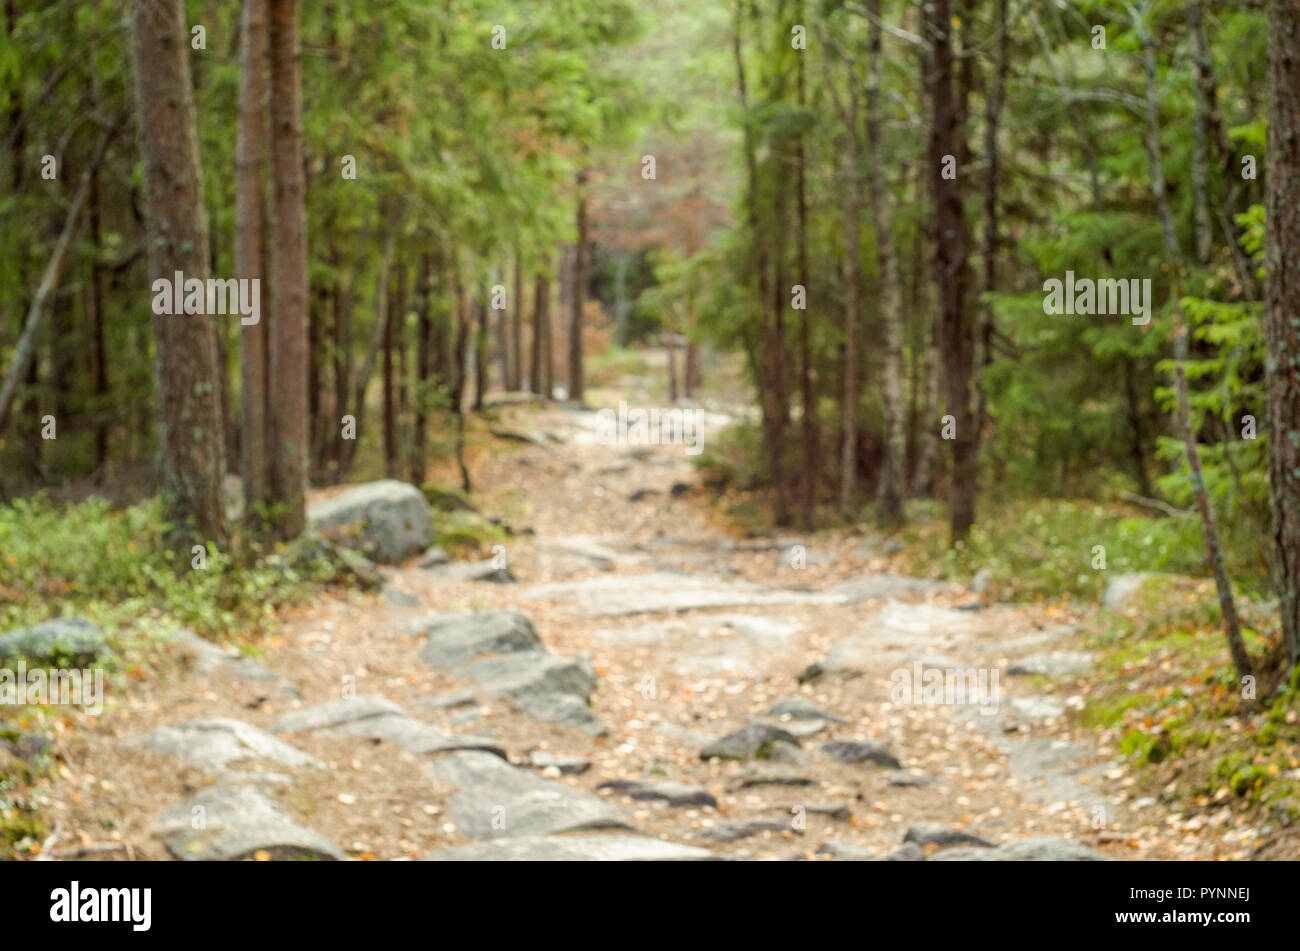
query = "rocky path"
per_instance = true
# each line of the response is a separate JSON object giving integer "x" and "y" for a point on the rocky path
{"x": 632, "y": 684}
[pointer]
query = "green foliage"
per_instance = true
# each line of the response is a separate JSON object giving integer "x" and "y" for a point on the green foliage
{"x": 112, "y": 566}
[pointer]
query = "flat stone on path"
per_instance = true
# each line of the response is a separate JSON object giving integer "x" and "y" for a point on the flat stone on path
{"x": 883, "y": 586}
{"x": 566, "y": 765}
{"x": 574, "y": 848}
{"x": 486, "y": 570}
{"x": 904, "y": 778}
{"x": 846, "y": 851}
{"x": 1042, "y": 849}
{"x": 238, "y": 822}
{"x": 931, "y": 833}
{"x": 496, "y": 800}
{"x": 562, "y": 708}
{"x": 377, "y": 718}
{"x": 860, "y": 751}
{"x": 751, "y": 742}
{"x": 736, "y": 830}
{"x": 801, "y": 708}
{"x": 208, "y": 658}
{"x": 664, "y": 591}
{"x": 71, "y": 641}
{"x": 335, "y": 712}
{"x": 452, "y": 639}
{"x": 216, "y": 742}
{"x": 667, "y": 791}
{"x": 389, "y": 521}
{"x": 895, "y": 631}
{"x": 1055, "y": 664}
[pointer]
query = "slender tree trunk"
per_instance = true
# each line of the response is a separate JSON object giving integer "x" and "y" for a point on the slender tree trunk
{"x": 24, "y": 352}
{"x": 541, "y": 318}
{"x": 189, "y": 422}
{"x": 288, "y": 379}
{"x": 670, "y": 348}
{"x": 1282, "y": 266}
{"x": 1231, "y": 624}
{"x": 1207, "y": 106}
{"x": 517, "y": 328}
{"x": 390, "y": 412}
{"x": 480, "y": 348}
{"x": 990, "y": 250}
{"x": 807, "y": 397}
{"x": 250, "y": 255}
{"x": 577, "y": 383}
{"x": 890, "y": 494}
{"x": 367, "y": 368}
{"x": 423, "y": 369}
{"x": 99, "y": 365}
{"x": 947, "y": 142}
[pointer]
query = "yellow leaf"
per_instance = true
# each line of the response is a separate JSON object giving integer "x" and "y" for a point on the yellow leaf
{"x": 261, "y": 855}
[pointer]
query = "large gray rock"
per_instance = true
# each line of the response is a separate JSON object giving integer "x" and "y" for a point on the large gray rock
{"x": 1044, "y": 849}
{"x": 562, "y": 708}
{"x": 455, "y": 638}
{"x": 235, "y": 822}
{"x": 738, "y": 829}
{"x": 574, "y": 848}
{"x": 530, "y": 674}
{"x": 377, "y": 718}
{"x": 214, "y": 743}
{"x": 67, "y": 641}
{"x": 388, "y": 520}
{"x": 496, "y": 800}
{"x": 667, "y": 791}
{"x": 751, "y": 742}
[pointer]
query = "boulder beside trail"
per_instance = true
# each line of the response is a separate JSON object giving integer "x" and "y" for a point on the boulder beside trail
{"x": 388, "y": 520}
{"x": 59, "y": 641}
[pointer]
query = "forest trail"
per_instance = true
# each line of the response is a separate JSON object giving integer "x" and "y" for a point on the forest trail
{"x": 681, "y": 636}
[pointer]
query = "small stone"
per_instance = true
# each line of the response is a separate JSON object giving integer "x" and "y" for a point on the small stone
{"x": 860, "y": 751}
{"x": 672, "y": 793}
{"x": 752, "y": 742}
{"x": 931, "y": 833}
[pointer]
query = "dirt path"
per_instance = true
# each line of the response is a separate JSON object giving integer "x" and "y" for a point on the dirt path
{"x": 689, "y": 636}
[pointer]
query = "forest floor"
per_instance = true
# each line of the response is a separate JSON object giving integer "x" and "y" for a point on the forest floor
{"x": 626, "y": 573}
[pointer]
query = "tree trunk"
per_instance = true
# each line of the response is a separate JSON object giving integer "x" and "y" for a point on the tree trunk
{"x": 513, "y": 384}
{"x": 807, "y": 398}
{"x": 423, "y": 369}
{"x": 288, "y": 374}
{"x": 250, "y": 254}
{"x": 1231, "y": 625}
{"x": 189, "y": 423}
{"x": 541, "y": 374}
{"x": 390, "y": 413}
{"x": 576, "y": 380}
{"x": 890, "y": 496}
{"x": 947, "y": 142}
{"x": 1282, "y": 266}
{"x": 367, "y": 368}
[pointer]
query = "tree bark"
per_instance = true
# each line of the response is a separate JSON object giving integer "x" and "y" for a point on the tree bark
{"x": 577, "y": 389}
{"x": 1231, "y": 624}
{"x": 890, "y": 495}
{"x": 191, "y": 440}
{"x": 947, "y": 142}
{"x": 288, "y": 338}
{"x": 1282, "y": 333}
